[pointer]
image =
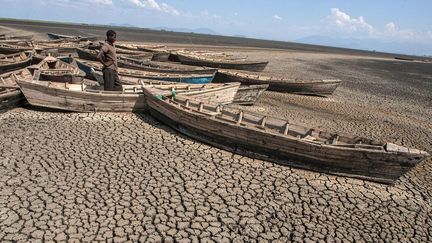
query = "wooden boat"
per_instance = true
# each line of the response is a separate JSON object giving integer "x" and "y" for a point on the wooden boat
{"x": 15, "y": 37}
{"x": 221, "y": 63}
{"x": 162, "y": 56}
{"x": 10, "y": 93}
{"x": 135, "y": 47}
{"x": 83, "y": 98}
{"x": 62, "y": 46}
{"x": 37, "y": 58}
{"x": 279, "y": 141}
{"x": 17, "y": 42}
{"x": 87, "y": 67}
{"x": 87, "y": 54}
{"x": 222, "y": 94}
{"x": 15, "y": 61}
{"x": 150, "y": 48}
{"x": 249, "y": 94}
{"x": 53, "y": 69}
{"x": 54, "y": 36}
{"x": 91, "y": 55}
{"x": 308, "y": 87}
{"x": 11, "y": 49}
{"x": 161, "y": 67}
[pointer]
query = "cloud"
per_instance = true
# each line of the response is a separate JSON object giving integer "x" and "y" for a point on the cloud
{"x": 104, "y": 2}
{"x": 359, "y": 27}
{"x": 153, "y": 5}
{"x": 277, "y": 17}
{"x": 392, "y": 30}
{"x": 344, "y": 22}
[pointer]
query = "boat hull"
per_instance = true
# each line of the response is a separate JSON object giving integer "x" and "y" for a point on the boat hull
{"x": 15, "y": 66}
{"x": 249, "y": 94}
{"x": 179, "y": 78}
{"x": 250, "y": 66}
{"x": 42, "y": 96}
{"x": 66, "y": 78}
{"x": 324, "y": 88}
{"x": 11, "y": 99}
{"x": 161, "y": 56}
{"x": 374, "y": 166}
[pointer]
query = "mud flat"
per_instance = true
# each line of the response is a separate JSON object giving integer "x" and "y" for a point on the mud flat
{"x": 124, "y": 176}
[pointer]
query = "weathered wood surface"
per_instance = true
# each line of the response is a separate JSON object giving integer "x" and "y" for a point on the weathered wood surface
{"x": 53, "y": 69}
{"x": 319, "y": 87}
{"x": 221, "y": 63}
{"x": 13, "y": 62}
{"x": 278, "y": 141}
{"x": 10, "y": 94}
{"x": 54, "y": 36}
{"x": 15, "y": 37}
{"x": 87, "y": 67}
{"x": 162, "y": 67}
{"x": 83, "y": 98}
{"x": 249, "y": 94}
{"x": 12, "y": 49}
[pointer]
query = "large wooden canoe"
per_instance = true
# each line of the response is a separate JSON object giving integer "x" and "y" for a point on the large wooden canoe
{"x": 14, "y": 61}
{"x": 219, "y": 93}
{"x": 221, "y": 63}
{"x": 11, "y": 49}
{"x": 91, "y": 55}
{"x": 162, "y": 67}
{"x": 10, "y": 93}
{"x": 53, "y": 69}
{"x": 62, "y": 46}
{"x": 15, "y": 37}
{"x": 320, "y": 87}
{"x": 150, "y": 66}
{"x": 277, "y": 140}
{"x": 54, "y": 36}
{"x": 83, "y": 98}
{"x": 87, "y": 67}
{"x": 136, "y": 47}
{"x": 249, "y": 94}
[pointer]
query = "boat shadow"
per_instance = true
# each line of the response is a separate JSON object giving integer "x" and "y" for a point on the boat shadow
{"x": 146, "y": 117}
{"x": 27, "y": 106}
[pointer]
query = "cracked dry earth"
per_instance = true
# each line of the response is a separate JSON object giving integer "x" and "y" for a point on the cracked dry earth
{"x": 124, "y": 176}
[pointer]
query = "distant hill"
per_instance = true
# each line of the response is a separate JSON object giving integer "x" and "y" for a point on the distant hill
{"x": 186, "y": 30}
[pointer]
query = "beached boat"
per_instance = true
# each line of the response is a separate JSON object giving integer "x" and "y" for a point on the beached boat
{"x": 277, "y": 140}
{"x": 221, "y": 63}
{"x": 83, "y": 98}
{"x": 11, "y": 49}
{"x": 62, "y": 46}
{"x": 136, "y": 47}
{"x": 87, "y": 67}
{"x": 162, "y": 56}
{"x": 15, "y": 61}
{"x": 53, "y": 69}
{"x": 54, "y": 36}
{"x": 138, "y": 64}
{"x": 222, "y": 94}
{"x": 37, "y": 58}
{"x": 249, "y": 94}
{"x": 15, "y": 37}
{"x": 162, "y": 67}
{"x": 321, "y": 87}
{"x": 91, "y": 55}
{"x": 87, "y": 54}
{"x": 10, "y": 93}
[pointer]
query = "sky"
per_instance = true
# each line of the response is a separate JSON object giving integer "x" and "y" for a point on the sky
{"x": 402, "y": 26}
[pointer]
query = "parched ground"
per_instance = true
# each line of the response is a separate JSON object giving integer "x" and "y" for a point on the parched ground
{"x": 124, "y": 176}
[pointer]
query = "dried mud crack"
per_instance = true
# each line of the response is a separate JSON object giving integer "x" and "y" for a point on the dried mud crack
{"x": 97, "y": 177}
